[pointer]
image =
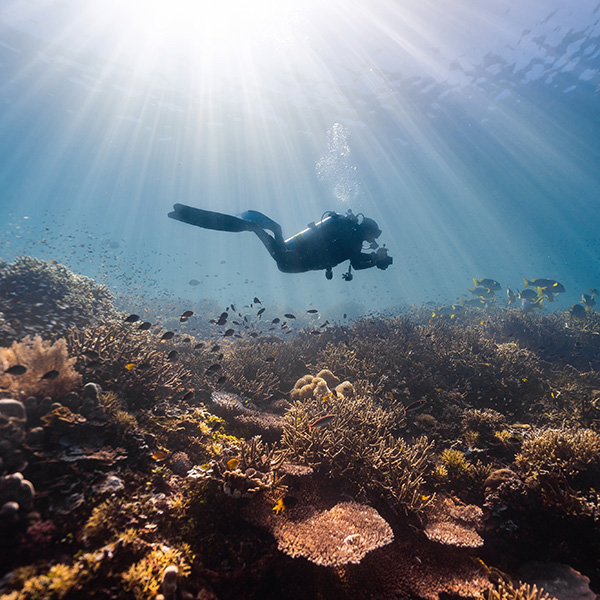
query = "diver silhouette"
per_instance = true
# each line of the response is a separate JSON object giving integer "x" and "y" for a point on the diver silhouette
{"x": 323, "y": 245}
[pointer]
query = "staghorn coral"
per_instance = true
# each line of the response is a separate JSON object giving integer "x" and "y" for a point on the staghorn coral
{"x": 151, "y": 376}
{"x": 358, "y": 446}
{"x": 48, "y": 299}
{"x": 40, "y": 357}
{"x": 343, "y": 534}
{"x": 506, "y": 590}
{"x": 562, "y": 452}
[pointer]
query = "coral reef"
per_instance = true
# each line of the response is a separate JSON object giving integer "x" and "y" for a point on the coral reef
{"x": 343, "y": 534}
{"x": 50, "y": 371}
{"x": 201, "y": 461}
{"x": 43, "y": 298}
{"x": 361, "y": 446}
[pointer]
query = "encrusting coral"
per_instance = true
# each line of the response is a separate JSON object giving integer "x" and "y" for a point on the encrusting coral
{"x": 343, "y": 534}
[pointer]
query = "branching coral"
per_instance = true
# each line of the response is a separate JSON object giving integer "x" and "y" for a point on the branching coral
{"x": 565, "y": 452}
{"x": 43, "y": 298}
{"x": 359, "y": 445}
{"x": 50, "y": 371}
{"x": 127, "y": 359}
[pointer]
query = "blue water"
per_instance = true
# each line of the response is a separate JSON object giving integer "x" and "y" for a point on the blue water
{"x": 468, "y": 130}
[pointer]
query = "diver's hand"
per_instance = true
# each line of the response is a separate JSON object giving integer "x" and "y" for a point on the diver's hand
{"x": 382, "y": 260}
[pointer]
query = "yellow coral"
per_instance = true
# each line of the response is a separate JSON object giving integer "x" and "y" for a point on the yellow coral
{"x": 454, "y": 460}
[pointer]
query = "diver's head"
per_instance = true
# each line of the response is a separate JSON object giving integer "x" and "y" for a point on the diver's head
{"x": 369, "y": 230}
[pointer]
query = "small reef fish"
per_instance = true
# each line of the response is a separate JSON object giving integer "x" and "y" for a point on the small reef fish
{"x": 512, "y": 297}
{"x": 16, "y": 370}
{"x": 130, "y": 366}
{"x": 545, "y": 284}
{"x": 172, "y": 355}
{"x": 578, "y": 311}
{"x": 474, "y": 303}
{"x": 321, "y": 422}
{"x": 232, "y": 464}
{"x": 193, "y": 282}
{"x": 283, "y": 503}
{"x": 159, "y": 455}
{"x": 50, "y": 375}
{"x": 167, "y": 335}
{"x": 312, "y": 311}
{"x": 213, "y": 369}
{"x": 482, "y": 292}
{"x": 188, "y": 396}
{"x": 528, "y": 294}
{"x": 187, "y": 314}
{"x": 588, "y": 300}
{"x": 490, "y": 284}
{"x": 145, "y": 326}
{"x": 289, "y": 316}
{"x": 229, "y": 332}
{"x": 260, "y": 312}
{"x": 256, "y": 300}
{"x": 132, "y": 318}
{"x": 530, "y": 305}
{"x": 223, "y": 318}
{"x": 446, "y": 311}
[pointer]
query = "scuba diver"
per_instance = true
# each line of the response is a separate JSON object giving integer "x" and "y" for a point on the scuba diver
{"x": 323, "y": 245}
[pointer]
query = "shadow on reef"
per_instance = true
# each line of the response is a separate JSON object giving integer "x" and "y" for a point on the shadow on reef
{"x": 398, "y": 457}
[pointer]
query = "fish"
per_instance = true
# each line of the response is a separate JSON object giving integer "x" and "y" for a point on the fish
{"x": 289, "y": 316}
{"x": 223, "y": 318}
{"x": 512, "y": 297}
{"x": 215, "y": 348}
{"x": 321, "y": 422}
{"x": 198, "y": 345}
{"x": 130, "y": 366}
{"x": 545, "y": 284}
{"x": 232, "y": 464}
{"x": 474, "y": 303}
{"x": 50, "y": 375}
{"x": 145, "y": 326}
{"x": 93, "y": 365}
{"x": 528, "y": 294}
{"x": 269, "y": 359}
{"x": 16, "y": 370}
{"x": 188, "y": 396}
{"x": 222, "y": 380}
{"x": 588, "y": 300}
{"x": 490, "y": 284}
{"x": 172, "y": 355}
{"x": 213, "y": 369}
{"x": 187, "y": 314}
{"x": 482, "y": 292}
{"x": 312, "y": 311}
{"x": 193, "y": 282}
{"x": 261, "y": 311}
{"x": 132, "y": 318}
{"x": 167, "y": 335}
{"x": 159, "y": 455}
{"x": 578, "y": 311}
{"x": 256, "y": 300}
{"x": 91, "y": 354}
{"x": 285, "y": 502}
{"x": 276, "y": 320}
{"x": 229, "y": 332}
{"x": 594, "y": 292}
{"x": 446, "y": 311}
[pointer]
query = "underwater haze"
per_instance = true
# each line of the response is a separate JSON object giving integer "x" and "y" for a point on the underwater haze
{"x": 468, "y": 130}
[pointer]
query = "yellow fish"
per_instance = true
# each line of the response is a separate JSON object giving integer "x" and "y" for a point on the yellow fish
{"x": 279, "y": 506}
{"x": 130, "y": 366}
{"x": 232, "y": 464}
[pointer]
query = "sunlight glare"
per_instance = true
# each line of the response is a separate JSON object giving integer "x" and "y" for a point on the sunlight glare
{"x": 206, "y": 25}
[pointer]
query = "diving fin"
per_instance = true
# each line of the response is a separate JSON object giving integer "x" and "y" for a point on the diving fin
{"x": 208, "y": 219}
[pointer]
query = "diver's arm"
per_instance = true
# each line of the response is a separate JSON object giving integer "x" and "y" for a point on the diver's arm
{"x": 379, "y": 259}
{"x": 364, "y": 261}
